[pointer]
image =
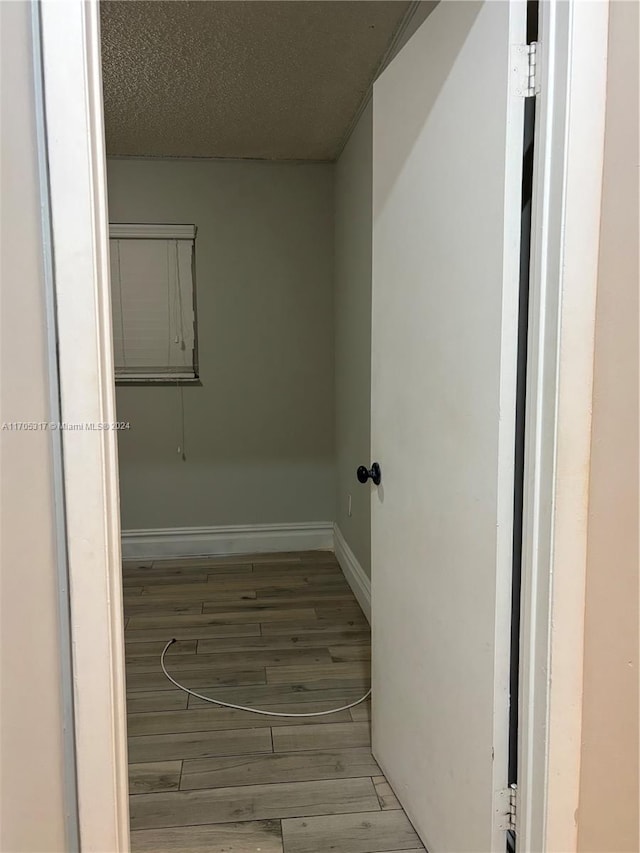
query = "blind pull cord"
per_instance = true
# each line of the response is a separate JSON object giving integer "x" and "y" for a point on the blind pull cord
{"x": 179, "y": 339}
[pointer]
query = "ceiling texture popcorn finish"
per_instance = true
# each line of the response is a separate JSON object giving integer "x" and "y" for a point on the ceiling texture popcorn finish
{"x": 259, "y": 79}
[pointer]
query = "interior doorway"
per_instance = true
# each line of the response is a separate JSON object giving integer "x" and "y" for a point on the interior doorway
{"x": 81, "y": 251}
{"x": 239, "y": 171}
{"x": 194, "y": 314}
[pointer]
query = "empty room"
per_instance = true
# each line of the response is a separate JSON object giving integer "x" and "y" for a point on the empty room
{"x": 319, "y": 437}
{"x": 269, "y": 325}
{"x": 239, "y": 143}
{"x": 305, "y": 490}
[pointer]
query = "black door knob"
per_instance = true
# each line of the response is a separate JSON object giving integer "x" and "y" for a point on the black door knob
{"x": 375, "y": 474}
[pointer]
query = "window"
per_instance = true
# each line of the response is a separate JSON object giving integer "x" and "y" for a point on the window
{"x": 153, "y": 302}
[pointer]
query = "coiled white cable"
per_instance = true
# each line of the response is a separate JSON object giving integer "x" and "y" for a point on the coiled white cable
{"x": 244, "y": 707}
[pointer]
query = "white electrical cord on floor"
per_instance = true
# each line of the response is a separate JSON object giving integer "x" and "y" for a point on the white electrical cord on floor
{"x": 243, "y": 707}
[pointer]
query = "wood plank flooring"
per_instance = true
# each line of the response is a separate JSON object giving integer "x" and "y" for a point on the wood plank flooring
{"x": 280, "y": 631}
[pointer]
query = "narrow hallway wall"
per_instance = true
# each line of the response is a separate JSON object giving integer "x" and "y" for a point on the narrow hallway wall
{"x": 609, "y": 793}
{"x": 32, "y": 811}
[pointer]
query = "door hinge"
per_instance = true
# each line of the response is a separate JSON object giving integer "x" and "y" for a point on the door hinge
{"x": 513, "y": 806}
{"x": 525, "y": 69}
{"x": 507, "y": 809}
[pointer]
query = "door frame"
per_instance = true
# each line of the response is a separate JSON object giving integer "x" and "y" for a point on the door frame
{"x": 69, "y": 38}
{"x": 564, "y": 254}
{"x": 567, "y": 189}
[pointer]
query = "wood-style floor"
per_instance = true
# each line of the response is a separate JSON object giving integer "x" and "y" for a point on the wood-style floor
{"x": 282, "y": 631}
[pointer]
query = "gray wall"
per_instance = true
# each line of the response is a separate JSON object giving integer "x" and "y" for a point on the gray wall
{"x": 260, "y": 430}
{"x": 31, "y": 760}
{"x": 353, "y": 335}
{"x": 272, "y": 436}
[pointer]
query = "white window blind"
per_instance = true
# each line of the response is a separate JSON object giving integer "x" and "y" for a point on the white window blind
{"x": 152, "y": 302}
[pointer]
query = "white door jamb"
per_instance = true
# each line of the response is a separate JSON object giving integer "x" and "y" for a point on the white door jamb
{"x": 568, "y": 159}
{"x": 77, "y": 187}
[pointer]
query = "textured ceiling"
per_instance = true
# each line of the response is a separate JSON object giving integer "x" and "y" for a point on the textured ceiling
{"x": 263, "y": 79}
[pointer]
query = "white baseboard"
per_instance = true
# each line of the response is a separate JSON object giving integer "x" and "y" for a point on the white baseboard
{"x": 162, "y": 543}
{"x": 221, "y": 541}
{"x": 353, "y": 572}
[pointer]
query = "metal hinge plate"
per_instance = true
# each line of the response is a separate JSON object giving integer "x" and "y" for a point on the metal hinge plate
{"x": 506, "y": 808}
{"x": 524, "y": 67}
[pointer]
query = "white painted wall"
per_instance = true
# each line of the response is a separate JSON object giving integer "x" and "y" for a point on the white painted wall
{"x": 32, "y": 816}
{"x": 260, "y": 430}
{"x": 609, "y": 795}
{"x": 353, "y": 335}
